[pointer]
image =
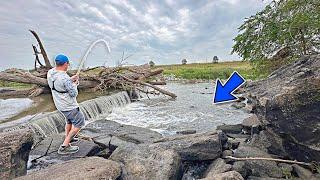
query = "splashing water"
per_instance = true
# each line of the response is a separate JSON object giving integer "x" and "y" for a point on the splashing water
{"x": 84, "y": 58}
{"x": 49, "y": 123}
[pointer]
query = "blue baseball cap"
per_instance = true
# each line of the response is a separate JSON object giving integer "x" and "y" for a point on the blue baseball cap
{"x": 61, "y": 59}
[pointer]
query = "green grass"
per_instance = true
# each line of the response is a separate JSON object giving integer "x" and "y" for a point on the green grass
{"x": 14, "y": 85}
{"x": 220, "y": 70}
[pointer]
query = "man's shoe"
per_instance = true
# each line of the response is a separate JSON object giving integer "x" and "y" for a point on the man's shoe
{"x": 74, "y": 140}
{"x": 68, "y": 149}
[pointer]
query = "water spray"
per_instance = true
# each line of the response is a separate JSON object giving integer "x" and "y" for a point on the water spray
{"x": 84, "y": 58}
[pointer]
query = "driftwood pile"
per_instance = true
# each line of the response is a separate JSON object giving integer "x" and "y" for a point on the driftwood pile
{"x": 137, "y": 78}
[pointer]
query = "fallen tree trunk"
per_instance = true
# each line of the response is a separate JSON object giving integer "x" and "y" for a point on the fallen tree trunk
{"x": 96, "y": 79}
{"x": 150, "y": 85}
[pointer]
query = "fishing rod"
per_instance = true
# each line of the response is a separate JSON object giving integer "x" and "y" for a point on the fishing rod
{"x": 89, "y": 50}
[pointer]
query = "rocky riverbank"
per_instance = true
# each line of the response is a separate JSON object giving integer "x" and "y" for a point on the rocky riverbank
{"x": 284, "y": 126}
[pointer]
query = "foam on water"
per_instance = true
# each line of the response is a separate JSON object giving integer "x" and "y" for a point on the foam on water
{"x": 193, "y": 109}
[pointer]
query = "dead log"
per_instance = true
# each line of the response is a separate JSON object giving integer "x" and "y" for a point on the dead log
{"x": 43, "y": 51}
{"x": 28, "y": 78}
{"x": 157, "y": 82}
{"x": 37, "y": 60}
{"x": 150, "y": 85}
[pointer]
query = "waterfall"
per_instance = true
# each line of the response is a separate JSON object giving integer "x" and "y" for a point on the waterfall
{"x": 93, "y": 109}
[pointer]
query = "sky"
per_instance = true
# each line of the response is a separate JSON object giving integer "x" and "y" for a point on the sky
{"x": 164, "y": 31}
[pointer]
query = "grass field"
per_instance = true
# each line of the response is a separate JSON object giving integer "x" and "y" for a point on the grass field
{"x": 220, "y": 70}
{"x": 210, "y": 70}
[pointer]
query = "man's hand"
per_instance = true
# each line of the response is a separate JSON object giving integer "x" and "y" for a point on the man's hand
{"x": 75, "y": 79}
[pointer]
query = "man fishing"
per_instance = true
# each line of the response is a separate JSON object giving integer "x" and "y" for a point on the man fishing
{"x": 64, "y": 92}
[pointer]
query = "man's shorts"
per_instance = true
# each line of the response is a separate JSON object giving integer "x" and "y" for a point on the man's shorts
{"x": 74, "y": 117}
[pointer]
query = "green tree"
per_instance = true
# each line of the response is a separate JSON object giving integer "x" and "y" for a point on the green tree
{"x": 290, "y": 24}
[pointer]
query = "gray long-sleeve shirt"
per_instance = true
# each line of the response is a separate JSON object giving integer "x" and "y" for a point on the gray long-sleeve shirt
{"x": 62, "y": 82}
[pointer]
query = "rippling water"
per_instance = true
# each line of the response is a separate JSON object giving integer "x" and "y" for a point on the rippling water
{"x": 11, "y": 107}
{"x": 193, "y": 109}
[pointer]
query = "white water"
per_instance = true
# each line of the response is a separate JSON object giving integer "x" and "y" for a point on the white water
{"x": 193, "y": 109}
{"x": 49, "y": 123}
{"x": 12, "y": 107}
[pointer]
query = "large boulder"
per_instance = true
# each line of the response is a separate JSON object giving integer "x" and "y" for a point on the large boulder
{"x": 288, "y": 102}
{"x": 143, "y": 162}
{"x": 106, "y": 133}
{"x": 194, "y": 147}
{"x": 14, "y": 152}
{"x": 259, "y": 168}
{"x": 83, "y": 168}
{"x": 218, "y": 166}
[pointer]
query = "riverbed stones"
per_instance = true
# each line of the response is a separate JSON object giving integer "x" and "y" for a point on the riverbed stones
{"x": 14, "y": 151}
{"x": 90, "y": 168}
{"x": 144, "y": 162}
{"x": 193, "y": 147}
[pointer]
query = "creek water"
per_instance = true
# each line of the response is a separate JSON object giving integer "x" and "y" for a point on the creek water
{"x": 192, "y": 110}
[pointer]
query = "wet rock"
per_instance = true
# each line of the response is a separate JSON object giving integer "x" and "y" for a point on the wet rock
{"x": 238, "y": 105}
{"x": 230, "y": 129}
{"x": 240, "y": 166}
{"x": 260, "y": 168}
{"x": 14, "y": 151}
{"x": 288, "y": 101}
{"x": 232, "y": 175}
{"x": 84, "y": 168}
{"x": 227, "y": 153}
{"x": 51, "y": 144}
{"x": 103, "y": 129}
{"x": 217, "y": 166}
{"x": 144, "y": 162}
{"x": 270, "y": 142}
{"x": 234, "y": 143}
{"x": 194, "y": 147}
{"x": 303, "y": 173}
{"x": 194, "y": 169}
{"x": 251, "y": 121}
{"x": 111, "y": 142}
{"x": 189, "y": 131}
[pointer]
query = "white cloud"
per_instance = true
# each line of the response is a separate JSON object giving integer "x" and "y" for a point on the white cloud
{"x": 165, "y": 31}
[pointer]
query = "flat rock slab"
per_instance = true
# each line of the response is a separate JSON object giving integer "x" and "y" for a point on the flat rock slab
{"x": 194, "y": 147}
{"x": 79, "y": 169}
{"x": 52, "y": 144}
{"x": 143, "y": 162}
{"x": 101, "y": 131}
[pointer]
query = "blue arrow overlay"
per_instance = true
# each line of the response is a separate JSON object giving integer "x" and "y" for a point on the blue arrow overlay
{"x": 223, "y": 93}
